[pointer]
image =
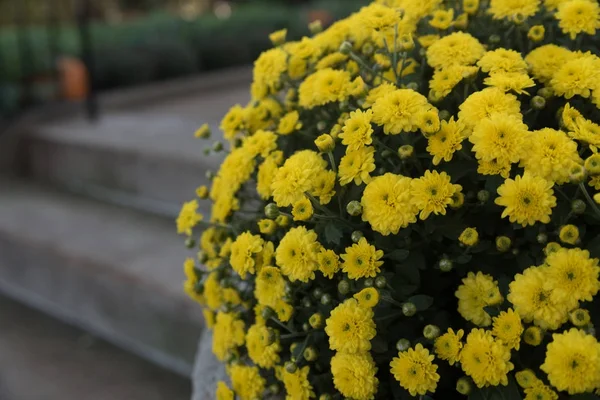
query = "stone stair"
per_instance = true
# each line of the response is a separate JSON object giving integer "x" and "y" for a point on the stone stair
{"x": 86, "y": 215}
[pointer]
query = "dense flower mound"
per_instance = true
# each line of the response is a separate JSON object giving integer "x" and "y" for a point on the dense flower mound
{"x": 408, "y": 207}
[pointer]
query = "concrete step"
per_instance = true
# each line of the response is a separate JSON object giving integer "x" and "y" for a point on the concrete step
{"x": 44, "y": 359}
{"x": 111, "y": 271}
{"x": 144, "y": 158}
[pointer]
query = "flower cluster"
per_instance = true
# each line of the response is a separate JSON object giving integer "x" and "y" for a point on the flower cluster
{"x": 407, "y": 207}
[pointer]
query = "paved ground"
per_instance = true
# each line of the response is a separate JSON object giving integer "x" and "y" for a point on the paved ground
{"x": 43, "y": 359}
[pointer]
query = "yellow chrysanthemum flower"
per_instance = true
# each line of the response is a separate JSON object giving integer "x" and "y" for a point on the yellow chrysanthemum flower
{"x": 536, "y": 33}
{"x": 513, "y": 9}
{"x": 357, "y": 166}
{"x": 223, "y": 392}
{"x": 361, "y": 260}
{"x": 508, "y": 328}
{"x": 487, "y": 103}
{"x": 500, "y": 137}
{"x": 397, "y": 111}
{"x": 267, "y": 226}
{"x": 246, "y": 381}
{"x": 302, "y": 210}
{"x": 323, "y": 87}
{"x": 243, "y": 253}
{"x": 572, "y": 275}
{"x": 580, "y": 317}
{"x": 233, "y": 121}
{"x": 270, "y": 286}
{"x": 545, "y": 60}
{"x": 350, "y": 327}
{"x": 568, "y": 234}
{"x": 476, "y": 292}
{"x": 517, "y": 82}
{"x": 469, "y": 237}
{"x": 296, "y": 177}
{"x": 354, "y": 375}
{"x": 526, "y": 378}
{"x": 377, "y": 92}
{"x": 442, "y": 19}
{"x": 577, "y": 16}
{"x": 296, "y": 254}
{"x": 228, "y": 334}
{"x": 527, "y": 199}
{"x": 432, "y": 193}
{"x": 448, "y": 346}
{"x": 415, "y": 370}
{"x": 386, "y": 204}
{"x": 357, "y": 130}
{"x": 188, "y": 217}
{"x": 448, "y": 140}
{"x": 329, "y": 262}
{"x": 539, "y": 391}
{"x": 532, "y": 298}
{"x": 502, "y": 60}
{"x": 289, "y": 123}
{"x": 579, "y": 76}
{"x": 485, "y": 360}
{"x": 297, "y": 385}
{"x": 533, "y": 336}
{"x": 268, "y": 69}
{"x": 262, "y": 349}
{"x": 456, "y": 48}
{"x": 550, "y": 155}
{"x": 368, "y": 297}
{"x": 573, "y": 362}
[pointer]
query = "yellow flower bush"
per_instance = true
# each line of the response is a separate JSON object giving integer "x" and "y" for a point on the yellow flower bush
{"x": 406, "y": 208}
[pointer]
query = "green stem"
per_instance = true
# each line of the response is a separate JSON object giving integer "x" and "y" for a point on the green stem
{"x": 332, "y": 162}
{"x": 293, "y": 335}
{"x": 404, "y": 55}
{"x": 589, "y": 199}
{"x": 284, "y": 327}
{"x": 391, "y": 301}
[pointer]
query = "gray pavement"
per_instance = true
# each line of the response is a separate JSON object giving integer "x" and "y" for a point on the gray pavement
{"x": 43, "y": 359}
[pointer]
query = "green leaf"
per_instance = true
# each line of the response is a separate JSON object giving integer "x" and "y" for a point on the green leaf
{"x": 422, "y": 301}
{"x": 398, "y": 255}
{"x": 464, "y": 258}
{"x": 333, "y": 234}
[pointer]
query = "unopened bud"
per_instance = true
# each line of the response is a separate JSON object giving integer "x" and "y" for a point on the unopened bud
{"x": 326, "y": 299}
{"x": 409, "y": 309}
{"x": 368, "y": 49}
{"x": 483, "y": 196}
{"x": 406, "y": 151}
{"x": 190, "y": 243}
{"x": 274, "y": 388}
{"x": 356, "y": 236}
{"x": 290, "y": 367}
{"x": 369, "y": 282}
{"x": 431, "y": 332}
{"x": 217, "y": 146}
{"x": 209, "y": 175}
{"x": 317, "y": 293}
{"x": 321, "y": 125}
{"x": 346, "y": 47}
{"x": 503, "y": 243}
{"x": 344, "y": 287}
{"x": 445, "y": 115}
{"x": 494, "y": 39}
{"x": 325, "y": 143}
{"x": 271, "y": 210}
{"x": 310, "y": 354}
{"x": 578, "y": 206}
{"x": 542, "y": 238}
{"x": 402, "y": 345}
{"x": 316, "y": 320}
{"x": 380, "y": 282}
{"x": 445, "y": 265}
{"x": 315, "y": 27}
{"x": 463, "y": 386}
{"x": 354, "y": 208}
{"x": 538, "y": 102}
{"x": 267, "y": 313}
{"x": 546, "y": 93}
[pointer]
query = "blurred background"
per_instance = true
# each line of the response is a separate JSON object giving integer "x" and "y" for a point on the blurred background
{"x": 99, "y": 101}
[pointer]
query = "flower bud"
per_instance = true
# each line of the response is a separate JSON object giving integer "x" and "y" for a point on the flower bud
{"x": 590, "y": 330}
{"x": 542, "y": 238}
{"x": 446, "y": 265}
{"x": 206, "y": 151}
{"x": 533, "y": 336}
{"x": 356, "y": 236}
{"x": 326, "y": 299}
{"x": 526, "y": 378}
{"x": 406, "y": 42}
{"x": 321, "y": 125}
{"x": 463, "y": 386}
{"x": 431, "y": 332}
{"x": 592, "y": 164}
{"x": 569, "y": 234}
{"x": 268, "y": 312}
{"x": 290, "y": 367}
{"x": 271, "y": 210}
{"x": 406, "y": 151}
{"x": 202, "y": 192}
{"x": 217, "y": 146}
{"x": 346, "y": 47}
{"x": 316, "y": 320}
{"x": 546, "y": 93}
{"x": 344, "y": 287}
{"x": 494, "y": 39}
{"x": 409, "y": 309}
{"x": 310, "y": 354}
{"x": 317, "y": 293}
{"x": 203, "y": 132}
{"x": 367, "y": 49}
{"x": 578, "y": 206}
{"x": 325, "y": 143}
{"x": 306, "y": 302}
{"x": 315, "y": 27}
{"x": 413, "y": 86}
{"x": 402, "y": 345}
{"x": 579, "y": 317}
{"x": 538, "y": 102}
{"x": 536, "y": 33}
{"x": 597, "y": 198}
{"x": 369, "y": 282}
{"x": 445, "y": 115}
{"x": 305, "y": 327}
{"x": 483, "y": 196}
{"x": 386, "y": 153}
{"x": 190, "y": 243}
{"x": 380, "y": 282}
{"x": 503, "y": 244}
{"x": 461, "y": 22}
{"x": 278, "y": 37}
{"x": 354, "y": 208}
{"x": 577, "y": 174}
{"x": 469, "y": 237}
{"x": 271, "y": 336}
{"x": 209, "y": 175}
{"x": 274, "y": 388}
{"x": 325, "y": 396}
{"x": 552, "y": 247}
{"x": 282, "y": 220}
{"x": 458, "y": 199}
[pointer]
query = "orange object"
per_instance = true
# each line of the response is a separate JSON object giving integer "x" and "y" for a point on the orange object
{"x": 74, "y": 78}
